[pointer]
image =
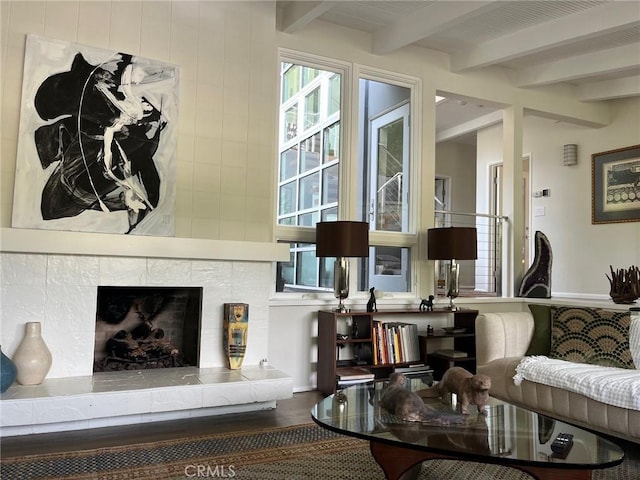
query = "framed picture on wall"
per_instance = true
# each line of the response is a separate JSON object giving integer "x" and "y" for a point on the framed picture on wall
{"x": 97, "y": 141}
{"x": 615, "y": 186}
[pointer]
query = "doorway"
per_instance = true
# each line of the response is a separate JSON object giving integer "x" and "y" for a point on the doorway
{"x": 496, "y": 202}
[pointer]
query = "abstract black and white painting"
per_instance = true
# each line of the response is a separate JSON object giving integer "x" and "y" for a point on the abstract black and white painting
{"x": 97, "y": 141}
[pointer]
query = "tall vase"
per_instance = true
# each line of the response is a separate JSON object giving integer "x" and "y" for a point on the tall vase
{"x": 235, "y": 325}
{"x": 32, "y": 358}
{"x": 8, "y": 372}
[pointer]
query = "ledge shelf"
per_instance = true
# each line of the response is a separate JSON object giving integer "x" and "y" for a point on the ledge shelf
{"x": 19, "y": 240}
{"x": 129, "y": 397}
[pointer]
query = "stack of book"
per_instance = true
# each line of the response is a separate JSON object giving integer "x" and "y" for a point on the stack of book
{"x": 395, "y": 342}
{"x": 451, "y": 353}
{"x": 416, "y": 370}
{"x": 352, "y": 375}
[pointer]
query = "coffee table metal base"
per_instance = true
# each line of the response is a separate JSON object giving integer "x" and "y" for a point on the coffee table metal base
{"x": 401, "y": 463}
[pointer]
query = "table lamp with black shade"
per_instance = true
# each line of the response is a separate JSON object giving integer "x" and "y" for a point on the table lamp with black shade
{"x": 342, "y": 240}
{"x": 452, "y": 243}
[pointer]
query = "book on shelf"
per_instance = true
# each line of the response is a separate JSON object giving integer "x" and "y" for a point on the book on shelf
{"x": 416, "y": 368}
{"x": 348, "y": 383}
{"x": 451, "y": 353}
{"x": 395, "y": 342}
{"x": 354, "y": 373}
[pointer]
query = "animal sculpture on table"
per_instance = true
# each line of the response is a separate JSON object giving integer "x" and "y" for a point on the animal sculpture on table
{"x": 409, "y": 407}
{"x": 427, "y": 305}
{"x": 371, "y": 304}
{"x": 470, "y": 389}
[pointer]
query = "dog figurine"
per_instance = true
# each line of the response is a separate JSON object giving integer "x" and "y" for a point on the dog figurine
{"x": 427, "y": 305}
{"x": 371, "y": 304}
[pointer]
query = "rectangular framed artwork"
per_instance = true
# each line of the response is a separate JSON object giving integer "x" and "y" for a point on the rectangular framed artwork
{"x": 615, "y": 186}
{"x": 97, "y": 141}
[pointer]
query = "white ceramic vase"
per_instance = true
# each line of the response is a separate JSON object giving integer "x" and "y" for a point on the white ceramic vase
{"x": 32, "y": 358}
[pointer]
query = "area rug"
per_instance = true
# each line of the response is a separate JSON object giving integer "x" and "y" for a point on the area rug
{"x": 298, "y": 452}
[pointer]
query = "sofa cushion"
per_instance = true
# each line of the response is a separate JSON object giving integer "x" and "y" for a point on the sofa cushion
{"x": 541, "y": 340}
{"x": 591, "y": 335}
{"x": 576, "y": 409}
{"x": 610, "y": 385}
{"x": 503, "y": 334}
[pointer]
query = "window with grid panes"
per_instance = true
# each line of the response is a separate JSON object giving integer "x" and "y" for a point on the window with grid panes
{"x": 309, "y": 165}
{"x": 309, "y": 149}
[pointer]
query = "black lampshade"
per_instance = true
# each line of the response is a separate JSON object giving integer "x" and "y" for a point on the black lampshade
{"x": 342, "y": 239}
{"x": 459, "y": 243}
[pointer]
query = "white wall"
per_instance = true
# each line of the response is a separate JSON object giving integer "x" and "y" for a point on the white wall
{"x": 226, "y": 142}
{"x": 227, "y": 99}
{"x": 582, "y": 252}
{"x": 489, "y": 153}
{"x": 458, "y": 161}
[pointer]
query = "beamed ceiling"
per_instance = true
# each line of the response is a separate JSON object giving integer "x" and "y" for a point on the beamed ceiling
{"x": 591, "y": 45}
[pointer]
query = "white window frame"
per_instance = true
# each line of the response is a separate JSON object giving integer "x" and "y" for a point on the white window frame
{"x": 348, "y": 165}
{"x": 400, "y": 112}
{"x": 410, "y": 238}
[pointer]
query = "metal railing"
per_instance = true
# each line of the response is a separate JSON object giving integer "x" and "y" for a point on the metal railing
{"x": 389, "y": 203}
{"x": 389, "y": 194}
{"x": 484, "y": 275}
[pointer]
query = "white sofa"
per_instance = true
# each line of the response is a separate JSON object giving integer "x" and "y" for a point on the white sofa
{"x": 502, "y": 339}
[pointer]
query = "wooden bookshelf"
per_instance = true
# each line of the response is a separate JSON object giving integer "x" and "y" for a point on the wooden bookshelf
{"x": 360, "y": 338}
{"x": 464, "y": 342}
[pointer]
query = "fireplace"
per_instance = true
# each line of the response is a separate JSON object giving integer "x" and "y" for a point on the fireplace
{"x": 140, "y": 328}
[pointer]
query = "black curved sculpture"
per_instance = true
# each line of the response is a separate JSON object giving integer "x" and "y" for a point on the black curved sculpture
{"x": 536, "y": 283}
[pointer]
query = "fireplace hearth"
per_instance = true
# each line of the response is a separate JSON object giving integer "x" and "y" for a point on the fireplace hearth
{"x": 140, "y": 328}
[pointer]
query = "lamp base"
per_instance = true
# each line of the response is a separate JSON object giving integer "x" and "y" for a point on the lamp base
{"x": 454, "y": 282}
{"x": 452, "y": 306}
{"x": 341, "y": 282}
{"x": 341, "y": 308}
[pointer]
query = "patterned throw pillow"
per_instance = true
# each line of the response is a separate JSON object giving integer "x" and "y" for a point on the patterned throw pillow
{"x": 634, "y": 340}
{"x": 591, "y": 335}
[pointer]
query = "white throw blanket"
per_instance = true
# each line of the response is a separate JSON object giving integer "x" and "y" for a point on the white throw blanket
{"x": 613, "y": 386}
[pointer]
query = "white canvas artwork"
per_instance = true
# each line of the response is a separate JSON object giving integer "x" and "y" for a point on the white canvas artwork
{"x": 97, "y": 141}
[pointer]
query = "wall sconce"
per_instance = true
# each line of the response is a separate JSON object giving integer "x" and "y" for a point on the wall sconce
{"x": 452, "y": 243}
{"x": 342, "y": 240}
{"x": 570, "y": 155}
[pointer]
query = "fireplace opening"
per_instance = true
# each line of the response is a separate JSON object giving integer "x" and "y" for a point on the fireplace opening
{"x": 140, "y": 328}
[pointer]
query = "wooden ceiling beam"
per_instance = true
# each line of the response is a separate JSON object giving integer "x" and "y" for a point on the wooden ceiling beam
{"x": 588, "y": 24}
{"x": 433, "y": 18}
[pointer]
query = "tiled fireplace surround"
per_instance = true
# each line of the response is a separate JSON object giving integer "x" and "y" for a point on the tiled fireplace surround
{"x": 60, "y": 290}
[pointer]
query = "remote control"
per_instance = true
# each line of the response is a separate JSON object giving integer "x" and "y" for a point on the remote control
{"x": 562, "y": 444}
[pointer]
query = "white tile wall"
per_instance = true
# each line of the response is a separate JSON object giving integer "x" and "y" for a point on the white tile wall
{"x": 60, "y": 292}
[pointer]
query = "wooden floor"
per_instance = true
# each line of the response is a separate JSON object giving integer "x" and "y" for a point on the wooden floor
{"x": 294, "y": 411}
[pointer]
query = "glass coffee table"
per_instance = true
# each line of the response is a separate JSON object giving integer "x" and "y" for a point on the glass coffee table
{"x": 507, "y": 435}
